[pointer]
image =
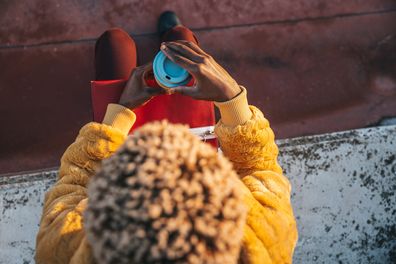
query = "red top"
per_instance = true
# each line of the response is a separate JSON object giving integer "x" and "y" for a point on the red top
{"x": 175, "y": 108}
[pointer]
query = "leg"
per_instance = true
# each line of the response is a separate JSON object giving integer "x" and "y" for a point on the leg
{"x": 115, "y": 58}
{"x": 182, "y": 33}
{"x": 179, "y": 33}
{"x": 115, "y": 55}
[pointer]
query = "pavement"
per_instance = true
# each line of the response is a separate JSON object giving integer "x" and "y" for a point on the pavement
{"x": 343, "y": 198}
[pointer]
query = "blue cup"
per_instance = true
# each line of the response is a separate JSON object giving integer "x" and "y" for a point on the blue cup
{"x": 167, "y": 73}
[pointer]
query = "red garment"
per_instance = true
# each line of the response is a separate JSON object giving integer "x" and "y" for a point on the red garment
{"x": 175, "y": 108}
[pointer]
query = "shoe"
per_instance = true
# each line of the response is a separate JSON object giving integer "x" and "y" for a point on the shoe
{"x": 166, "y": 21}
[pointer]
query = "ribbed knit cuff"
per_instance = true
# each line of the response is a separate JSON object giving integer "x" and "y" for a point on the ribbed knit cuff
{"x": 236, "y": 111}
{"x": 119, "y": 117}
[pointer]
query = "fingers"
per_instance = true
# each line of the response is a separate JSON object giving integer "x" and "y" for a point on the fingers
{"x": 179, "y": 59}
{"x": 193, "y": 46}
{"x": 137, "y": 72}
{"x": 152, "y": 91}
{"x": 185, "y": 51}
{"x": 186, "y": 90}
{"x": 148, "y": 66}
{"x": 142, "y": 68}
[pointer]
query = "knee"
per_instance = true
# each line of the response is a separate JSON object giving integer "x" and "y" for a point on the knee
{"x": 180, "y": 29}
{"x": 114, "y": 35}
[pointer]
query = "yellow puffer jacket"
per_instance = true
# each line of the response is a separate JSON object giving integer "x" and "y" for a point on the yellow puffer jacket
{"x": 246, "y": 139}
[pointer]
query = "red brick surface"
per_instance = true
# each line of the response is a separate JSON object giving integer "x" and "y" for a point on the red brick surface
{"x": 313, "y": 77}
{"x": 44, "y": 100}
{"x": 38, "y": 21}
{"x": 311, "y": 66}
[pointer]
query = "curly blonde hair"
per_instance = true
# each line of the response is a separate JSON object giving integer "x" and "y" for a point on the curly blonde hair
{"x": 165, "y": 197}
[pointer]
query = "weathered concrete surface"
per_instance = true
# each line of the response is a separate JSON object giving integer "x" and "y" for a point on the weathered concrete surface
{"x": 21, "y": 199}
{"x": 344, "y": 197}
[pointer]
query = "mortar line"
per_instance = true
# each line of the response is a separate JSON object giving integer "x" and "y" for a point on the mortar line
{"x": 273, "y": 22}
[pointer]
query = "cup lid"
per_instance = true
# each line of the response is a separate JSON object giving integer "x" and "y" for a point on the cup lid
{"x": 169, "y": 73}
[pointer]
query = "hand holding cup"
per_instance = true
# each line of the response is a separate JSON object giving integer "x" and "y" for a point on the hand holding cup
{"x": 212, "y": 82}
{"x": 137, "y": 92}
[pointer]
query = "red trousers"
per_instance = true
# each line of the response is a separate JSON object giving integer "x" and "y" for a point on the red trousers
{"x": 116, "y": 57}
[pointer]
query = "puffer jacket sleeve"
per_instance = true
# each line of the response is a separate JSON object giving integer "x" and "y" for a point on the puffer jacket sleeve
{"x": 270, "y": 231}
{"x": 61, "y": 235}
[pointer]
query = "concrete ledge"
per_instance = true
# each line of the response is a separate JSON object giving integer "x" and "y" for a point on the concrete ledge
{"x": 344, "y": 197}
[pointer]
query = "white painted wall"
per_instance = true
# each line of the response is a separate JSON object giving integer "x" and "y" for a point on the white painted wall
{"x": 344, "y": 187}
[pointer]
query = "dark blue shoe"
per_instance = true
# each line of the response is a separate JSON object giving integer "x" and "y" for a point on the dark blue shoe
{"x": 166, "y": 21}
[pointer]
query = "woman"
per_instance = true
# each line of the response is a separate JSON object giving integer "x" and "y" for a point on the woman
{"x": 116, "y": 58}
{"x": 161, "y": 195}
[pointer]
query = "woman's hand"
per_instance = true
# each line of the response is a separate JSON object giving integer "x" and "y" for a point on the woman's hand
{"x": 212, "y": 82}
{"x": 136, "y": 92}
